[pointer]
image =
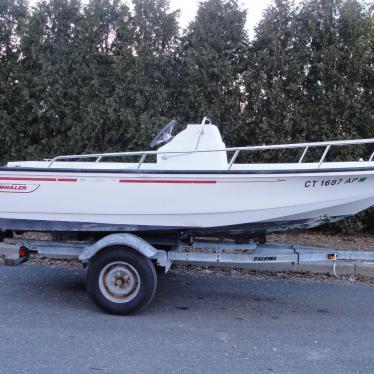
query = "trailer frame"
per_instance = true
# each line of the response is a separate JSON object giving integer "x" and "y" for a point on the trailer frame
{"x": 206, "y": 251}
{"x": 198, "y": 251}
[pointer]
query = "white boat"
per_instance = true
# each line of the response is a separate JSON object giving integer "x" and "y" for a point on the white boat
{"x": 191, "y": 185}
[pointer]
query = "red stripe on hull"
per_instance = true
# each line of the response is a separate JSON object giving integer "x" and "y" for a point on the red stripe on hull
{"x": 167, "y": 181}
{"x": 28, "y": 179}
{"x": 35, "y": 179}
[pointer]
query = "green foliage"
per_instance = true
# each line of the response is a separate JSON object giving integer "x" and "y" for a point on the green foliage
{"x": 12, "y": 21}
{"x": 212, "y": 58}
{"x": 144, "y": 77}
{"x": 49, "y": 77}
{"x": 310, "y": 76}
{"x": 103, "y": 75}
{"x": 97, "y": 119}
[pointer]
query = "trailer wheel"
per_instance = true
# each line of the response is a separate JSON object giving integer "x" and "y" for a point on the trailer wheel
{"x": 121, "y": 280}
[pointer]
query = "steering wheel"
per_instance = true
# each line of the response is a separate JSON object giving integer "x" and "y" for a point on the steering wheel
{"x": 164, "y": 135}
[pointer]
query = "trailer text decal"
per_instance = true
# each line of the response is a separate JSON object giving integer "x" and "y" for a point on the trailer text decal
{"x": 265, "y": 258}
{"x": 18, "y": 188}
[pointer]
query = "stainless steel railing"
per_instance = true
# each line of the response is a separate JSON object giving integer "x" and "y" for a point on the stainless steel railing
{"x": 306, "y": 146}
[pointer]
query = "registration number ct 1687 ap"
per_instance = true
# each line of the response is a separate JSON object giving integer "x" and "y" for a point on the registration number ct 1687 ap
{"x": 332, "y": 182}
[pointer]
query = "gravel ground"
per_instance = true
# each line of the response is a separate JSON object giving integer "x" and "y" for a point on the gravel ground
{"x": 255, "y": 274}
{"x": 362, "y": 242}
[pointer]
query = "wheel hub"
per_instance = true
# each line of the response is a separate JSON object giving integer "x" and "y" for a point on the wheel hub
{"x": 119, "y": 282}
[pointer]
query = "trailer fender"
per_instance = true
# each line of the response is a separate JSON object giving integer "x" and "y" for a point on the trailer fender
{"x": 133, "y": 241}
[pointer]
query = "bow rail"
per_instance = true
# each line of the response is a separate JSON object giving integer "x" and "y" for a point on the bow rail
{"x": 305, "y": 146}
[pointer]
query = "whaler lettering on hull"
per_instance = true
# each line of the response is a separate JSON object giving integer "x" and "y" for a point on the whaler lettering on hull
{"x": 18, "y": 188}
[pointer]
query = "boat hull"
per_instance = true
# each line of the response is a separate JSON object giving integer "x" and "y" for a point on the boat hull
{"x": 249, "y": 230}
{"x": 208, "y": 203}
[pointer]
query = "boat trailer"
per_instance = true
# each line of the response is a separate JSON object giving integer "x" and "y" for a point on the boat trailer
{"x": 121, "y": 275}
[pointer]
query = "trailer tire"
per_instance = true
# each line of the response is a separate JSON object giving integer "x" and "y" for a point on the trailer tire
{"x": 121, "y": 281}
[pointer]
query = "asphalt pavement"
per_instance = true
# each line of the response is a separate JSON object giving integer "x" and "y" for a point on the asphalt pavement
{"x": 196, "y": 324}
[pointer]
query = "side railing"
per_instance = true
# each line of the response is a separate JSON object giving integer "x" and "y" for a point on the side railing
{"x": 236, "y": 151}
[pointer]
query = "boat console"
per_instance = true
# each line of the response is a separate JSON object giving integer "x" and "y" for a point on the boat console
{"x": 204, "y": 137}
